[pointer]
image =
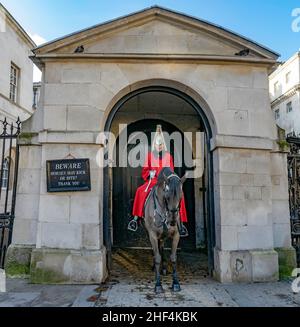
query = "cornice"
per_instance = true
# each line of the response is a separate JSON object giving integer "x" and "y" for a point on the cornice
{"x": 289, "y": 93}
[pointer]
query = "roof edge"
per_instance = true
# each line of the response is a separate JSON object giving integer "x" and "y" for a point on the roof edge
{"x": 40, "y": 59}
{"x": 284, "y": 64}
{"x": 160, "y": 9}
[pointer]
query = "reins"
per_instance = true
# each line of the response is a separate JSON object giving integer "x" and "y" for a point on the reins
{"x": 158, "y": 212}
{"x": 178, "y": 208}
{"x": 163, "y": 215}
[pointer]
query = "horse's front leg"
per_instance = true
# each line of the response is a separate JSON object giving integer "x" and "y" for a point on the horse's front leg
{"x": 163, "y": 257}
{"x": 175, "y": 285}
{"x": 157, "y": 262}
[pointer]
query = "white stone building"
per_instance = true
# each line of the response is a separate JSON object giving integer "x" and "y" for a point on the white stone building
{"x": 16, "y": 69}
{"x": 285, "y": 94}
{"x": 16, "y": 74}
{"x": 188, "y": 74}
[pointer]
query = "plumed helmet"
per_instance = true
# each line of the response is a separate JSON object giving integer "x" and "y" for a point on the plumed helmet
{"x": 159, "y": 138}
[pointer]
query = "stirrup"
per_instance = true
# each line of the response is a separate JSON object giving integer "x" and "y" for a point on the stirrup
{"x": 183, "y": 232}
{"x": 133, "y": 225}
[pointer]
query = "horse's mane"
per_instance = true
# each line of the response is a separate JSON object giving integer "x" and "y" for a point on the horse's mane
{"x": 165, "y": 171}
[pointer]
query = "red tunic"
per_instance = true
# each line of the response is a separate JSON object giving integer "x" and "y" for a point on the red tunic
{"x": 153, "y": 162}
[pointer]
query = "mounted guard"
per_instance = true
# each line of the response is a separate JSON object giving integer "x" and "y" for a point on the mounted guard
{"x": 156, "y": 160}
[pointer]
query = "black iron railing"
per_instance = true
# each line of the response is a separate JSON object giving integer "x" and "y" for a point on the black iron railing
{"x": 294, "y": 190}
{"x": 9, "y": 146}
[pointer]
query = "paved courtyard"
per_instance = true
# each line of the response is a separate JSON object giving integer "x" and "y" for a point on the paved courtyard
{"x": 202, "y": 294}
{"x": 127, "y": 293}
{"x": 131, "y": 285}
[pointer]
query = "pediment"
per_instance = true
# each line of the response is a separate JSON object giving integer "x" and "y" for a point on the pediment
{"x": 156, "y": 37}
{"x": 156, "y": 31}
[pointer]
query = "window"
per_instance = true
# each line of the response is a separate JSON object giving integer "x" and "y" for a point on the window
{"x": 288, "y": 77}
{"x": 276, "y": 87}
{"x": 5, "y": 173}
{"x": 14, "y": 81}
{"x": 36, "y": 96}
{"x": 277, "y": 114}
{"x": 289, "y": 107}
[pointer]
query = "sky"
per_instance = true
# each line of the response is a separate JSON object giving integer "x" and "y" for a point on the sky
{"x": 269, "y": 22}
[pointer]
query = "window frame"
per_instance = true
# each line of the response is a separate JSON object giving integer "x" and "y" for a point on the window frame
{"x": 14, "y": 82}
{"x": 277, "y": 113}
{"x": 276, "y": 87}
{"x": 289, "y": 107}
{"x": 35, "y": 97}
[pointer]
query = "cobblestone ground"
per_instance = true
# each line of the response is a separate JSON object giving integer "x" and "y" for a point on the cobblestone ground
{"x": 131, "y": 284}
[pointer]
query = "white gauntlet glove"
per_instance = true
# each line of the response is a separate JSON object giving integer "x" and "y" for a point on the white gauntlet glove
{"x": 152, "y": 173}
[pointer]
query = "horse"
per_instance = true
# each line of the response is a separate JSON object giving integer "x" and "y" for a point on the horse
{"x": 161, "y": 220}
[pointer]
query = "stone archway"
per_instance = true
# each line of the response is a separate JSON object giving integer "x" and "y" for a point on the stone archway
{"x": 208, "y": 196}
{"x": 127, "y": 179}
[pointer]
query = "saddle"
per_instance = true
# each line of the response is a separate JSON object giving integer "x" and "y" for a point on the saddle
{"x": 133, "y": 224}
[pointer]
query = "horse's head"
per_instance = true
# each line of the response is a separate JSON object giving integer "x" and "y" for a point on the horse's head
{"x": 173, "y": 194}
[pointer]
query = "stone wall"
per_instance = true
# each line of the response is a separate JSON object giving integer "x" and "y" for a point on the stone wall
{"x": 77, "y": 97}
{"x": 236, "y": 94}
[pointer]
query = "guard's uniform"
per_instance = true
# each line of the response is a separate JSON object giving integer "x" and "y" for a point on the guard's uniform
{"x": 154, "y": 162}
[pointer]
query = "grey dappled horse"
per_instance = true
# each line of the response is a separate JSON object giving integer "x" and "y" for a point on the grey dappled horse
{"x": 161, "y": 213}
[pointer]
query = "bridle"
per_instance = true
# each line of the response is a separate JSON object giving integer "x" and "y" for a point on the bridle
{"x": 173, "y": 211}
{"x": 157, "y": 207}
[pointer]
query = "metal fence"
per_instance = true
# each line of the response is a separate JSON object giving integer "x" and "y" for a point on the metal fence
{"x": 294, "y": 190}
{"x": 9, "y": 147}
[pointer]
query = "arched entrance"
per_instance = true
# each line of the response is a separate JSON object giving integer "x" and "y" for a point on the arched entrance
{"x": 127, "y": 179}
{"x": 176, "y": 111}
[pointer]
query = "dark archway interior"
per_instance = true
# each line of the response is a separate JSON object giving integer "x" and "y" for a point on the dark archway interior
{"x": 127, "y": 179}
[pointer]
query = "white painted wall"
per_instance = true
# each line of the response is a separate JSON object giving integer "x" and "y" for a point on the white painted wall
{"x": 14, "y": 49}
{"x": 288, "y": 121}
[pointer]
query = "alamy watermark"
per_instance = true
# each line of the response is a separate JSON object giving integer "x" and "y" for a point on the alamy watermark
{"x": 2, "y": 281}
{"x": 296, "y": 20}
{"x": 296, "y": 282}
{"x": 132, "y": 150}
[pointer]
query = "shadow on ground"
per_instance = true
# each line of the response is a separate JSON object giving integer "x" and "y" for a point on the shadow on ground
{"x": 136, "y": 265}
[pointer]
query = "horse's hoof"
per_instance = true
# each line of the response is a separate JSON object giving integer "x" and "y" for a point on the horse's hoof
{"x": 158, "y": 289}
{"x": 176, "y": 287}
